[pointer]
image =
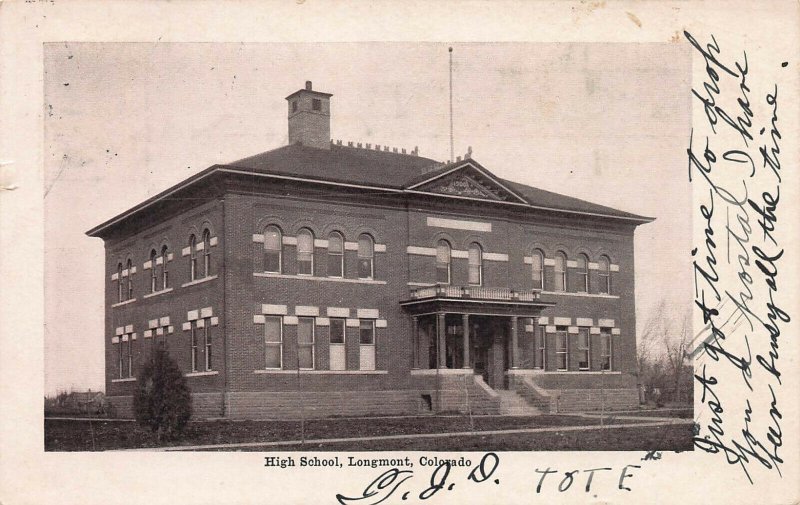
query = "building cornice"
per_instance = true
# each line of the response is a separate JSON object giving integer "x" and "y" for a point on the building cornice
{"x": 97, "y": 231}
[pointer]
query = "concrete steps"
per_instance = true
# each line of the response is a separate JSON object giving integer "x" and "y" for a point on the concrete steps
{"x": 512, "y": 404}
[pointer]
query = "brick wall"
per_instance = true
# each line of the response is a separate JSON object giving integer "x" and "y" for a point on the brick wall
{"x": 236, "y": 294}
{"x": 173, "y": 303}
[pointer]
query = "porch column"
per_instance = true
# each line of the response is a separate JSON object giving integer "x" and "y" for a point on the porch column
{"x": 440, "y": 343}
{"x": 415, "y": 342}
{"x": 465, "y": 326}
{"x": 514, "y": 350}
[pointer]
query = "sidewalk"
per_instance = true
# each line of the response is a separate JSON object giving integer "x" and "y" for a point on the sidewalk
{"x": 284, "y": 443}
{"x": 614, "y": 417}
{"x": 99, "y": 419}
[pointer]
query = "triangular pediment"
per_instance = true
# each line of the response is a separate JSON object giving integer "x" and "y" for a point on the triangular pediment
{"x": 468, "y": 180}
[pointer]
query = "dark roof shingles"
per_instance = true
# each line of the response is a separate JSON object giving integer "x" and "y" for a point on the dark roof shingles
{"x": 339, "y": 164}
{"x": 389, "y": 169}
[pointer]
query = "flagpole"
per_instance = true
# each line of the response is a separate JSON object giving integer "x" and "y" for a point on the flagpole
{"x": 452, "y": 150}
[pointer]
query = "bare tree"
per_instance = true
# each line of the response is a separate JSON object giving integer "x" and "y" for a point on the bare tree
{"x": 675, "y": 349}
{"x": 647, "y": 343}
{"x": 661, "y": 349}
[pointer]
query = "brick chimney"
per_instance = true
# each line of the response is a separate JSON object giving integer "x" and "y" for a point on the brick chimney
{"x": 310, "y": 118}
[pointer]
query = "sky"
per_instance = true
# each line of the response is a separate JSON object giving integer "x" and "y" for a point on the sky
{"x": 603, "y": 122}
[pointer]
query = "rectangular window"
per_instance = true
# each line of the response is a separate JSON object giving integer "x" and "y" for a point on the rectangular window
{"x": 338, "y": 360}
{"x": 129, "y": 355}
{"x": 305, "y": 343}
{"x": 583, "y": 349}
{"x": 273, "y": 339}
{"x": 120, "y": 358}
{"x": 194, "y": 347}
{"x": 366, "y": 337}
{"x": 605, "y": 350}
{"x": 207, "y": 344}
{"x": 562, "y": 360}
{"x": 366, "y": 331}
{"x": 316, "y": 104}
{"x": 540, "y": 349}
{"x": 337, "y": 331}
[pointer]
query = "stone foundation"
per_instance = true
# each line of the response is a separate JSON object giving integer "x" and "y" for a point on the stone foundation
{"x": 294, "y": 405}
{"x": 204, "y": 406}
{"x": 450, "y": 391}
{"x": 456, "y": 392}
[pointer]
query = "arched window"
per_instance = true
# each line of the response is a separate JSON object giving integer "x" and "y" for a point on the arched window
{"x": 443, "y": 262}
{"x": 192, "y": 258}
{"x": 366, "y": 252}
{"x": 273, "y": 249}
{"x": 604, "y": 273}
{"x": 583, "y": 273}
{"x": 335, "y": 255}
{"x": 206, "y": 253}
{"x": 305, "y": 252}
{"x": 561, "y": 271}
{"x": 130, "y": 279}
{"x": 120, "y": 291}
{"x": 164, "y": 272}
{"x": 537, "y": 269}
{"x": 475, "y": 254}
{"x": 153, "y": 272}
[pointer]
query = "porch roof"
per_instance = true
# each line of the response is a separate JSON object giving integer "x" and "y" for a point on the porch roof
{"x": 475, "y": 300}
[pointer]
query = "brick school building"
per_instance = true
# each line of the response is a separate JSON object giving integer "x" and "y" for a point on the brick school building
{"x": 324, "y": 278}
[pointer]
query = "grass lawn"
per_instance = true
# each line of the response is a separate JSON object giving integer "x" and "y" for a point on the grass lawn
{"x": 682, "y": 413}
{"x": 663, "y": 438}
{"x": 74, "y": 435}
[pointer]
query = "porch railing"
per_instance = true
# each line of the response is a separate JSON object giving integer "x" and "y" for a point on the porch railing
{"x": 477, "y": 293}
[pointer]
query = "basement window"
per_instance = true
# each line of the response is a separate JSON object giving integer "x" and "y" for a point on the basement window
{"x": 427, "y": 403}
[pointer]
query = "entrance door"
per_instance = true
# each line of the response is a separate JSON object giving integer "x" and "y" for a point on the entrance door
{"x": 488, "y": 354}
{"x": 498, "y": 359}
{"x": 480, "y": 359}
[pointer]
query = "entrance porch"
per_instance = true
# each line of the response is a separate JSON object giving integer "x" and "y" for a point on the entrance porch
{"x": 479, "y": 331}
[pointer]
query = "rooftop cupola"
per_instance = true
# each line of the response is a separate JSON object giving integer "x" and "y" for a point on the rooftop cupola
{"x": 310, "y": 118}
